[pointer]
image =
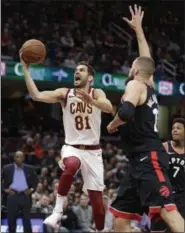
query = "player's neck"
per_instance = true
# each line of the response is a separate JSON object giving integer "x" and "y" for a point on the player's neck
{"x": 144, "y": 80}
{"x": 86, "y": 89}
{"x": 179, "y": 144}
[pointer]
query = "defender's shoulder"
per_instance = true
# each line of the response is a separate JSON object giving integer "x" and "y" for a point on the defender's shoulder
{"x": 135, "y": 86}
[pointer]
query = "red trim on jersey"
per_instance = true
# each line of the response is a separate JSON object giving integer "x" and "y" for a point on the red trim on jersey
{"x": 158, "y": 231}
{"x": 170, "y": 207}
{"x": 65, "y": 99}
{"x": 125, "y": 215}
{"x": 156, "y": 210}
{"x": 155, "y": 163}
{"x": 93, "y": 95}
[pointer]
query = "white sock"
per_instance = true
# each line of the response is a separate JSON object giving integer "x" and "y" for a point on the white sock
{"x": 59, "y": 203}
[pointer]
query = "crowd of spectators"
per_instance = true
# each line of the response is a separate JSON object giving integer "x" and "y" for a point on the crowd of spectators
{"x": 77, "y": 31}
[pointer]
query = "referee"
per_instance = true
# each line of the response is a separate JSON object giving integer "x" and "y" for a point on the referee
{"x": 19, "y": 181}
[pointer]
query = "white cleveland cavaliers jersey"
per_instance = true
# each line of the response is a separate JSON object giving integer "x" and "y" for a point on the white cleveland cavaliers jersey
{"x": 82, "y": 121}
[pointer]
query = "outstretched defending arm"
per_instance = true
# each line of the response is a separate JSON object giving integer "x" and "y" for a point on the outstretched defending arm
{"x": 127, "y": 108}
{"x": 44, "y": 96}
{"x": 136, "y": 24}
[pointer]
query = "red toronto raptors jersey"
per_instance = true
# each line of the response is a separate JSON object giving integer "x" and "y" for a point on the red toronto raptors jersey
{"x": 82, "y": 121}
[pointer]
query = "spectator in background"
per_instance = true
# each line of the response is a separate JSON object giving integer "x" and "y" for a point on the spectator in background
{"x": 52, "y": 195}
{"x": 43, "y": 205}
{"x": 49, "y": 142}
{"x": 49, "y": 160}
{"x": 84, "y": 214}
{"x": 38, "y": 149}
{"x": 67, "y": 41}
{"x": 69, "y": 61}
{"x": 19, "y": 181}
{"x": 69, "y": 222}
{"x": 37, "y": 194}
{"x": 28, "y": 150}
{"x": 125, "y": 68}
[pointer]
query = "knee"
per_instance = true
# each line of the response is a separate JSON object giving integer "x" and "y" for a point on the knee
{"x": 121, "y": 221}
{"x": 72, "y": 164}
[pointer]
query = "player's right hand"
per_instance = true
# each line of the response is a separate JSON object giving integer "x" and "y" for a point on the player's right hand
{"x": 24, "y": 64}
{"x": 111, "y": 129}
{"x": 137, "y": 17}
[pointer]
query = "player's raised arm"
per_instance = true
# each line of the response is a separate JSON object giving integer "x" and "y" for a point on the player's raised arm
{"x": 127, "y": 108}
{"x": 44, "y": 96}
{"x": 136, "y": 24}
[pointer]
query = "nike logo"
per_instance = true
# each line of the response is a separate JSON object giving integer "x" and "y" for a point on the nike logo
{"x": 171, "y": 153}
{"x": 143, "y": 158}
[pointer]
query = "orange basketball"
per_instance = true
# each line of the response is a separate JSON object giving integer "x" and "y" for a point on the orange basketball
{"x": 33, "y": 51}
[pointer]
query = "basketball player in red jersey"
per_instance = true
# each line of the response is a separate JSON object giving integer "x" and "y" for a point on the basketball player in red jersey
{"x": 82, "y": 108}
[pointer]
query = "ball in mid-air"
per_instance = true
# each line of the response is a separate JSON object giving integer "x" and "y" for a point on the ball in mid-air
{"x": 33, "y": 51}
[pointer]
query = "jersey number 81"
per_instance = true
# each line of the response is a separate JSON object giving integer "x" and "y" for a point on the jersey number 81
{"x": 82, "y": 122}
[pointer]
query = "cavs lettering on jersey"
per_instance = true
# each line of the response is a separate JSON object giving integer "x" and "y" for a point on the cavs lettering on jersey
{"x": 176, "y": 169}
{"x": 140, "y": 133}
{"x": 82, "y": 121}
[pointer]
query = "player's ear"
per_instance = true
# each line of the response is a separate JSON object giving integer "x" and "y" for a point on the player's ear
{"x": 90, "y": 78}
{"x": 136, "y": 71}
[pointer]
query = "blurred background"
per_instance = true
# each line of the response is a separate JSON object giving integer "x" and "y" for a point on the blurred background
{"x": 73, "y": 31}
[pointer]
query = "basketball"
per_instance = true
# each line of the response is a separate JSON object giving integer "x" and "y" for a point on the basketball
{"x": 33, "y": 51}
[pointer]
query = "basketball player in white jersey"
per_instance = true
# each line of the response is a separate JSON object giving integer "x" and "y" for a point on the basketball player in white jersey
{"x": 82, "y": 108}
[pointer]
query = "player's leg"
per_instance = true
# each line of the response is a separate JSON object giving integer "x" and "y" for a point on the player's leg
{"x": 174, "y": 220}
{"x": 71, "y": 165}
{"x": 158, "y": 225}
{"x": 156, "y": 192}
{"x": 126, "y": 207}
{"x": 93, "y": 176}
{"x": 98, "y": 210}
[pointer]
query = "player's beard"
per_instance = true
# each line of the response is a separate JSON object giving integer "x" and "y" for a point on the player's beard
{"x": 81, "y": 84}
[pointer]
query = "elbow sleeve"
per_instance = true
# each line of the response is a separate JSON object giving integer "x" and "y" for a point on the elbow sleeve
{"x": 126, "y": 111}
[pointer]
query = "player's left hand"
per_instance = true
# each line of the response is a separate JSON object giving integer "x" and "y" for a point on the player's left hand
{"x": 137, "y": 17}
{"x": 111, "y": 128}
{"x": 84, "y": 96}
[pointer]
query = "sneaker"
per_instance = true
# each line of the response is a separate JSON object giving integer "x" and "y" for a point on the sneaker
{"x": 53, "y": 220}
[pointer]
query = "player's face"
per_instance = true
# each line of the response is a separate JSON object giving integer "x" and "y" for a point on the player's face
{"x": 178, "y": 132}
{"x": 81, "y": 76}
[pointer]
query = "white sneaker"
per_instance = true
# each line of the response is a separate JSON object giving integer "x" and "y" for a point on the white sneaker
{"x": 53, "y": 219}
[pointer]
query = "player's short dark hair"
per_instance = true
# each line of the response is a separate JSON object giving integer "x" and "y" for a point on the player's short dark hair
{"x": 146, "y": 66}
{"x": 91, "y": 70}
{"x": 179, "y": 120}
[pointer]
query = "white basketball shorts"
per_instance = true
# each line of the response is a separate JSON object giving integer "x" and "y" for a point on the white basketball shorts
{"x": 92, "y": 169}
